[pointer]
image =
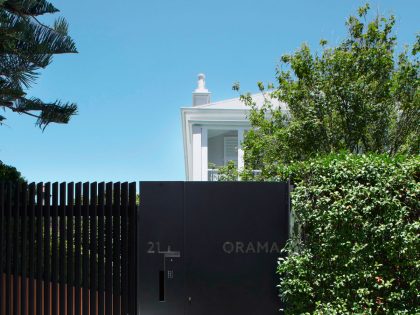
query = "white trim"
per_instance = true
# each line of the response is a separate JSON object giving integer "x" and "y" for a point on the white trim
{"x": 196, "y": 153}
{"x": 204, "y": 154}
{"x": 240, "y": 149}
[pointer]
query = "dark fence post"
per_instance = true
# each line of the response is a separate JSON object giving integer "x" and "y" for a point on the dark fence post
{"x": 1, "y": 244}
{"x": 24, "y": 256}
{"x": 16, "y": 219}
{"x": 93, "y": 247}
{"x": 117, "y": 249}
{"x": 31, "y": 209}
{"x": 77, "y": 249}
{"x": 39, "y": 242}
{"x": 70, "y": 251}
{"x": 108, "y": 248}
{"x": 63, "y": 239}
{"x": 8, "y": 248}
{"x": 132, "y": 245}
{"x": 124, "y": 248}
{"x": 85, "y": 268}
{"x": 54, "y": 250}
{"x": 101, "y": 249}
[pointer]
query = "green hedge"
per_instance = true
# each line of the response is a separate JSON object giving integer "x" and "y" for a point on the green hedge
{"x": 355, "y": 247}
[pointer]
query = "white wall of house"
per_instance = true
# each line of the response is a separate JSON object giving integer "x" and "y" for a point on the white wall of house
{"x": 210, "y": 146}
{"x": 205, "y": 125}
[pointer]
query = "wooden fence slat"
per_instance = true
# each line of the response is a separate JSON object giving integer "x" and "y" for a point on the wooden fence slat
{"x": 24, "y": 256}
{"x": 39, "y": 246}
{"x": 132, "y": 241}
{"x": 93, "y": 247}
{"x": 70, "y": 251}
{"x": 54, "y": 252}
{"x": 47, "y": 248}
{"x": 101, "y": 249}
{"x": 85, "y": 268}
{"x": 9, "y": 249}
{"x": 16, "y": 219}
{"x": 108, "y": 249}
{"x": 2, "y": 195}
{"x": 63, "y": 240}
{"x": 77, "y": 252}
{"x": 31, "y": 210}
{"x": 117, "y": 249}
{"x": 124, "y": 248}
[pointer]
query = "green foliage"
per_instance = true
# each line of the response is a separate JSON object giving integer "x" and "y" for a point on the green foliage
{"x": 26, "y": 46}
{"x": 9, "y": 173}
{"x": 355, "y": 247}
{"x": 228, "y": 173}
{"x": 360, "y": 96}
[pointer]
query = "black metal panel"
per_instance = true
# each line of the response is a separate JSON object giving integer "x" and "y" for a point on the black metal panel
{"x": 235, "y": 232}
{"x": 161, "y": 265}
{"x": 223, "y": 241}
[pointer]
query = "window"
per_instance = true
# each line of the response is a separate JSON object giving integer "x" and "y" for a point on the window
{"x": 222, "y": 147}
{"x": 230, "y": 150}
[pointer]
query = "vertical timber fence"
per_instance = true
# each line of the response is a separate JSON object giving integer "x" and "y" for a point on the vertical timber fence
{"x": 68, "y": 249}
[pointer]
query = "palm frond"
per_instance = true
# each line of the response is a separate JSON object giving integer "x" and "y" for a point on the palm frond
{"x": 17, "y": 70}
{"x": 61, "y": 26}
{"x": 55, "y": 112}
{"x": 27, "y": 45}
{"x": 39, "y": 39}
{"x": 30, "y": 7}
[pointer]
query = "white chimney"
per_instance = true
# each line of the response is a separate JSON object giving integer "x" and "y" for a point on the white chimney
{"x": 201, "y": 95}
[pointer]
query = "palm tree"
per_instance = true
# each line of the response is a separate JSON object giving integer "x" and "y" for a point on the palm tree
{"x": 26, "y": 46}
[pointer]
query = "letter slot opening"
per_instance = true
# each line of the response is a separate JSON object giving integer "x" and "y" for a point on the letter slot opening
{"x": 162, "y": 286}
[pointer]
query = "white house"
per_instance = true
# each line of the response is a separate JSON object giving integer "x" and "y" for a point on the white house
{"x": 213, "y": 132}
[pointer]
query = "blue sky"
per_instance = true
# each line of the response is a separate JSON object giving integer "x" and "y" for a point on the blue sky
{"x": 137, "y": 66}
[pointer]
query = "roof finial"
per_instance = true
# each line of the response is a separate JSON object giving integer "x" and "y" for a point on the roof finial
{"x": 201, "y": 84}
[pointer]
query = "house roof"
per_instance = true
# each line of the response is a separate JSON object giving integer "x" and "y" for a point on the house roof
{"x": 236, "y": 103}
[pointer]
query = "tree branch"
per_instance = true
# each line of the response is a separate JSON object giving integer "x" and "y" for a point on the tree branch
{"x": 20, "y": 111}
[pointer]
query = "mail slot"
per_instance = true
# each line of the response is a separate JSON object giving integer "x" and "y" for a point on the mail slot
{"x": 211, "y": 248}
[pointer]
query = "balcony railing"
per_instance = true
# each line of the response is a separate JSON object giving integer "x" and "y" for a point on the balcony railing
{"x": 213, "y": 174}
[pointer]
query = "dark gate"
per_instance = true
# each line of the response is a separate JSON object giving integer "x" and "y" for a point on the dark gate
{"x": 211, "y": 248}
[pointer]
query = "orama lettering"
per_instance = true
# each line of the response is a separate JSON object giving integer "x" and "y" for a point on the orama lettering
{"x": 251, "y": 248}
